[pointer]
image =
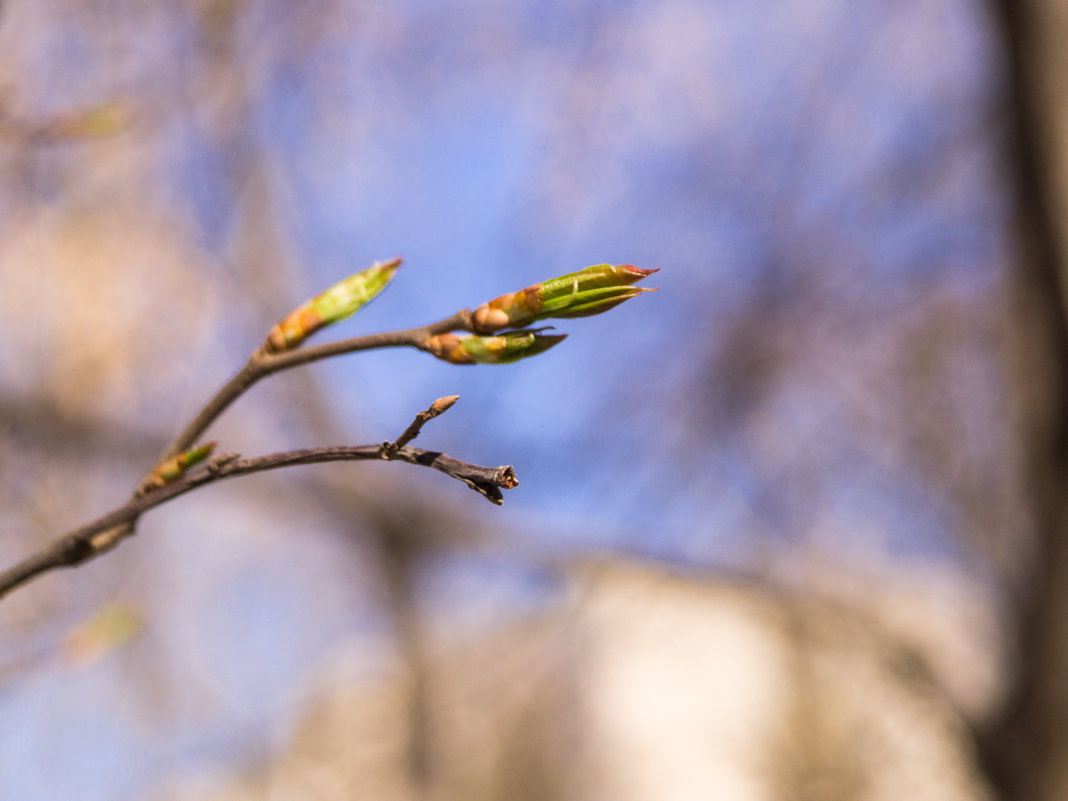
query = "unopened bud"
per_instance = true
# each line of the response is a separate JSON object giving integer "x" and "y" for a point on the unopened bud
{"x": 170, "y": 469}
{"x": 443, "y": 404}
{"x": 504, "y": 348}
{"x": 591, "y": 291}
{"x": 447, "y": 347}
{"x": 341, "y": 300}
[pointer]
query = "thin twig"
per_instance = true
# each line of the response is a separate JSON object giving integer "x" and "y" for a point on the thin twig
{"x": 91, "y": 540}
{"x": 440, "y": 406}
{"x": 108, "y": 531}
{"x": 263, "y": 363}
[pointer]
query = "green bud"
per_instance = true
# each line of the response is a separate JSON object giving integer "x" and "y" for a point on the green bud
{"x": 591, "y": 291}
{"x": 170, "y": 469}
{"x": 341, "y": 300}
{"x": 504, "y": 348}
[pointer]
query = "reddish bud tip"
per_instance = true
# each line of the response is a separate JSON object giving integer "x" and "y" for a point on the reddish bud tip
{"x": 630, "y": 268}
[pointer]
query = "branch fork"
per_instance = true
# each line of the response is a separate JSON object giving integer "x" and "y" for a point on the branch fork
{"x": 185, "y": 465}
{"x": 106, "y": 532}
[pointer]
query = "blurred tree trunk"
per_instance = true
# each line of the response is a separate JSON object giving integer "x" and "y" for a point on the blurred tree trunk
{"x": 1025, "y": 749}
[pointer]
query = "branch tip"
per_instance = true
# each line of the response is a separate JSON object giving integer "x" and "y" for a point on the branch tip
{"x": 443, "y": 404}
{"x": 507, "y": 478}
{"x": 440, "y": 406}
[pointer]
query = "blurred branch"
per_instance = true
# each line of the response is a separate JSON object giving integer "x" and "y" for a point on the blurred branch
{"x": 91, "y": 122}
{"x": 1024, "y": 747}
{"x": 100, "y": 536}
{"x": 37, "y": 416}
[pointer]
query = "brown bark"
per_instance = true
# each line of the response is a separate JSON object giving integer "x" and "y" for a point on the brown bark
{"x": 1025, "y": 748}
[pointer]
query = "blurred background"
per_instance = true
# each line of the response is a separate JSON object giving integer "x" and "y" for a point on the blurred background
{"x": 792, "y": 527}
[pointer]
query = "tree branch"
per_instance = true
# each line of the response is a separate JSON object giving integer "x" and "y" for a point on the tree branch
{"x": 95, "y": 538}
{"x": 108, "y": 531}
{"x": 440, "y": 406}
{"x": 262, "y": 364}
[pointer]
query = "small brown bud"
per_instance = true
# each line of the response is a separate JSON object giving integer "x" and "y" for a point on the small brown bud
{"x": 443, "y": 404}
